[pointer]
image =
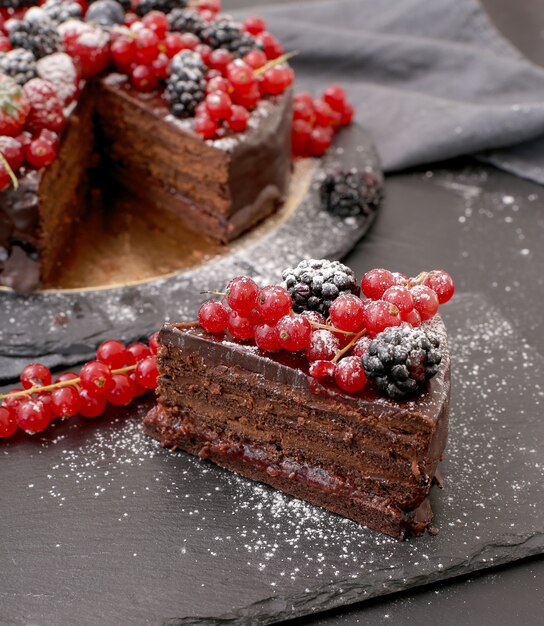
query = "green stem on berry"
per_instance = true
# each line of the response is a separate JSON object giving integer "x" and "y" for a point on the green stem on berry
{"x": 350, "y": 345}
{"x": 333, "y": 329}
{"x": 417, "y": 280}
{"x": 213, "y": 293}
{"x": 281, "y": 59}
{"x": 186, "y": 325}
{"x": 10, "y": 172}
{"x": 65, "y": 383}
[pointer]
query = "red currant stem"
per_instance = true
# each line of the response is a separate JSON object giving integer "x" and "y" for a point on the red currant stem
{"x": 65, "y": 383}
{"x": 281, "y": 59}
{"x": 333, "y": 329}
{"x": 213, "y": 293}
{"x": 10, "y": 172}
{"x": 417, "y": 280}
{"x": 350, "y": 345}
{"x": 186, "y": 325}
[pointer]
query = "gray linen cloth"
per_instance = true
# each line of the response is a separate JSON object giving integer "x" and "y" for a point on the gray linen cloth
{"x": 431, "y": 79}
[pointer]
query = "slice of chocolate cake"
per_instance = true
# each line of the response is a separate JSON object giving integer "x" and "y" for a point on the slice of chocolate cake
{"x": 261, "y": 414}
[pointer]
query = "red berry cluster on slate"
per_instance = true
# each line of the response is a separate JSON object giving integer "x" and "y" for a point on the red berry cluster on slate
{"x": 315, "y": 121}
{"x": 335, "y": 346}
{"x": 118, "y": 375}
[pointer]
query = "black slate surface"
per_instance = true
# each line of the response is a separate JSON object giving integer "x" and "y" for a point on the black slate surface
{"x": 101, "y": 525}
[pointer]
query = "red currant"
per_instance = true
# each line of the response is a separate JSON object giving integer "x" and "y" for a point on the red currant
{"x": 303, "y": 111}
{"x": 172, "y": 44}
{"x": 112, "y": 353}
{"x": 147, "y": 373}
{"x": 35, "y": 375}
{"x": 157, "y": 22}
{"x": 347, "y": 114}
{"x": 276, "y": 79}
{"x": 375, "y": 282}
{"x": 361, "y": 346}
{"x": 8, "y": 421}
{"x": 12, "y": 402}
{"x": 122, "y": 51}
{"x": 347, "y": 313}
{"x": 441, "y": 283}
{"x": 400, "y": 297}
{"x": 254, "y": 25}
{"x": 238, "y": 118}
{"x": 294, "y": 332}
{"x": 40, "y": 153}
{"x": 425, "y": 301}
{"x": 33, "y": 416}
{"x": 248, "y": 100}
{"x": 139, "y": 351}
{"x": 121, "y": 392}
{"x": 12, "y": 150}
{"x": 65, "y": 402}
{"x": 213, "y": 316}
{"x": 242, "y": 293}
{"x": 95, "y": 377}
{"x": 214, "y": 6}
{"x": 320, "y": 140}
{"x": 241, "y": 76}
{"x": 335, "y": 97}
{"x": 314, "y": 317}
{"x": 218, "y": 83}
{"x": 350, "y": 375}
{"x": 323, "y": 346}
{"x": 137, "y": 388}
{"x": 322, "y": 369}
{"x": 154, "y": 343}
{"x": 90, "y": 404}
{"x": 146, "y": 46}
{"x": 218, "y": 105}
{"x": 205, "y": 126}
{"x": 267, "y": 338}
{"x": 255, "y": 59}
{"x": 240, "y": 327}
{"x": 324, "y": 115}
{"x": 274, "y": 302}
{"x": 379, "y": 315}
{"x": 271, "y": 46}
{"x": 143, "y": 78}
{"x": 160, "y": 66}
{"x": 413, "y": 318}
{"x": 219, "y": 59}
{"x": 204, "y": 51}
{"x": 301, "y": 135}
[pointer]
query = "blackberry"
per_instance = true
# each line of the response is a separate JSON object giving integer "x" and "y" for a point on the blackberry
{"x": 35, "y": 32}
{"x": 351, "y": 193}
{"x": 186, "y": 83}
{"x": 126, "y": 4}
{"x": 20, "y": 64}
{"x": 60, "y": 11}
{"x": 105, "y": 13}
{"x": 224, "y": 33}
{"x": 314, "y": 285}
{"x": 186, "y": 22}
{"x": 401, "y": 359}
{"x": 145, "y": 6}
{"x": 18, "y": 4}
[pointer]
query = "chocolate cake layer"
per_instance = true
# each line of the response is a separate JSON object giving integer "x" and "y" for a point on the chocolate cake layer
{"x": 221, "y": 187}
{"x": 37, "y": 219}
{"x": 262, "y": 414}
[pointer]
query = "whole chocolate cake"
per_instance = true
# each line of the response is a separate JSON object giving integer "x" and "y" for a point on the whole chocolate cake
{"x": 273, "y": 395}
{"x": 180, "y": 106}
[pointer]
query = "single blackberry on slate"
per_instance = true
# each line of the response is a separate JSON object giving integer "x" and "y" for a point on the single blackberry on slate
{"x": 35, "y": 32}
{"x": 351, "y": 193}
{"x": 315, "y": 284}
{"x": 105, "y": 13}
{"x": 145, "y": 6}
{"x": 401, "y": 359}
{"x": 60, "y": 11}
{"x": 20, "y": 64}
{"x": 183, "y": 21}
{"x": 224, "y": 33}
{"x": 186, "y": 83}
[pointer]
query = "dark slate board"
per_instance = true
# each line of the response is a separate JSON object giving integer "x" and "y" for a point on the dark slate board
{"x": 29, "y": 326}
{"x": 100, "y": 525}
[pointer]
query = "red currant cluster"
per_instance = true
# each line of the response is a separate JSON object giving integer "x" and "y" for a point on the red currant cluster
{"x": 118, "y": 375}
{"x": 316, "y": 120}
{"x": 333, "y": 346}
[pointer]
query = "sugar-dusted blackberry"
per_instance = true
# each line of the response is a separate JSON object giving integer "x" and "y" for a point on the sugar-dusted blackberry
{"x": 126, "y": 4}
{"x": 20, "y": 64}
{"x": 105, "y": 13}
{"x": 35, "y": 32}
{"x": 145, "y": 6}
{"x": 59, "y": 10}
{"x": 186, "y": 83}
{"x": 186, "y": 21}
{"x": 401, "y": 359}
{"x": 224, "y": 33}
{"x": 19, "y": 4}
{"x": 351, "y": 193}
{"x": 315, "y": 284}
